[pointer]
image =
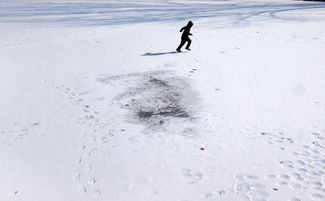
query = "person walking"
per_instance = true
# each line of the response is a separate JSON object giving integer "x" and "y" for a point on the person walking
{"x": 185, "y": 36}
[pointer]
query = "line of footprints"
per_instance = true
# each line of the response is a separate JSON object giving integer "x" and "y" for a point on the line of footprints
{"x": 85, "y": 175}
{"x": 305, "y": 173}
{"x": 17, "y": 132}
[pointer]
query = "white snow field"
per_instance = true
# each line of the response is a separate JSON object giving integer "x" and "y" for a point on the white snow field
{"x": 95, "y": 105}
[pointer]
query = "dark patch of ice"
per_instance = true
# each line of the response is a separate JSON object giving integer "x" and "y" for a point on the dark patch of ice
{"x": 158, "y": 99}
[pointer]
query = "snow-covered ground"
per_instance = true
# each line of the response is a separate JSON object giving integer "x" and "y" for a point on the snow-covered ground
{"x": 95, "y": 105}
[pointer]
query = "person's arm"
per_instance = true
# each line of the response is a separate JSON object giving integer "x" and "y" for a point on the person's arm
{"x": 182, "y": 29}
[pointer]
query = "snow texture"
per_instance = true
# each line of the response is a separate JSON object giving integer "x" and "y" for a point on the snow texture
{"x": 96, "y": 104}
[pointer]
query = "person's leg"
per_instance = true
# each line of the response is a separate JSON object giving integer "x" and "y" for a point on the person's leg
{"x": 181, "y": 45}
{"x": 189, "y": 41}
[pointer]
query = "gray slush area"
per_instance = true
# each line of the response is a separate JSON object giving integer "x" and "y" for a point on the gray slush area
{"x": 159, "y": 100}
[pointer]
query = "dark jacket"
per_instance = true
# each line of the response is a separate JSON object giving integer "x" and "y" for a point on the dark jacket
{"x": 186, "y": 30}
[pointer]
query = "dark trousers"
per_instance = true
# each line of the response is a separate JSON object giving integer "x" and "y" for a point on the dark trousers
{"x": 183, "y": 41}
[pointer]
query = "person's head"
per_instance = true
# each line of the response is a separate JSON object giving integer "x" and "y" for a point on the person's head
{"x": 190, "y": 24}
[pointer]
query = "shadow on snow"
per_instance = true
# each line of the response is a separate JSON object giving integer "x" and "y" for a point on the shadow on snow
{"x": 160, "y": 53}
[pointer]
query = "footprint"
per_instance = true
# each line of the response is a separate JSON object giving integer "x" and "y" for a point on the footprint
{"x": 300, "y": 162}
{"x": 84, "y": 189}
{"x": 97, "y": 193}
{"x": 258, "y": 194}
{"x": 250, "y": 186}
{"x": 296, "y": 185}
{"x": 297, "y": 176}
{"x": 294, "y": 199}
{"x": 284, "y": 176}
{"x": 208, "y": 195}
{"x": 322, "y": 190}
{"x": 317, "y": 196}
{"x": 192, "y": 177}
{"x": 239, "y": 177}
{"x": 221, "y": 192}
{"x": 283, "y": 183}
{"x": 244, "y": 198}
{"x": 317, "y": 183}
{"x": 251, "y": 177}
{"x": 258, "y": 186}
{"x": 271, "y": 176}
{"x": 242, "y": 188}
{"x": 92, "y": 181}
{"x": 302, "y": 170}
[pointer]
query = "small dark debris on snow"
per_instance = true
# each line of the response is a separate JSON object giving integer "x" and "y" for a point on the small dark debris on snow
{"x": 145, "y": 114}
{"x": 275, "y": 189}
{"x": 158, "y": 82}
{"x": 202, "y": 148}
{"x": 221, "y": 192}
{"x": 89, "y": 116}
{"x": 36, "y": 124}
{"x": 172, "y": 111}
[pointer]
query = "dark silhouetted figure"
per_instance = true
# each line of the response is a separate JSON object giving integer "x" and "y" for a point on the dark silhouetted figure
{"x": 186, "y": 32}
